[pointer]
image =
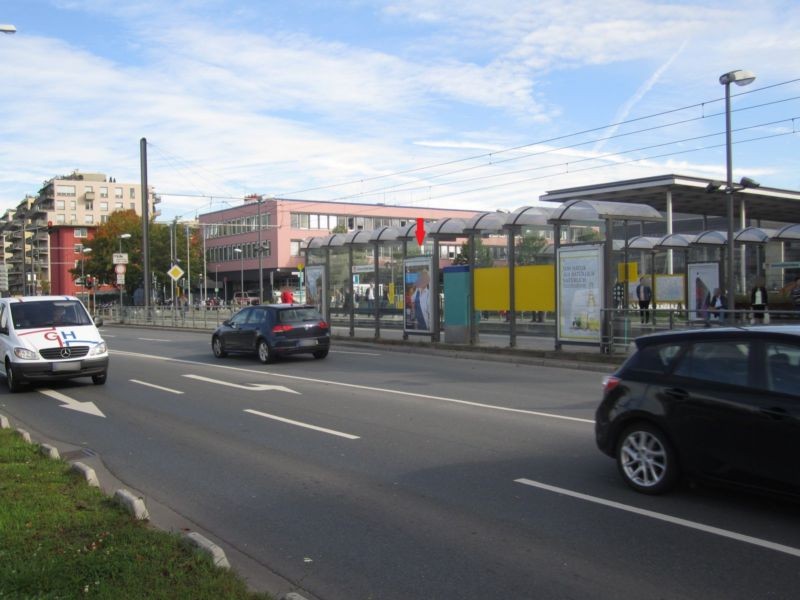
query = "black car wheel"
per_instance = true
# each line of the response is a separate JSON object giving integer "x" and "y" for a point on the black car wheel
{"x": 319, "y": 354}
{"x": 11, "y": 378}
{"x": 646, "y": 459}
{"x": 218, "y": 347}
{"x": 100, "y": 379}
{"x": 264, "y": 352}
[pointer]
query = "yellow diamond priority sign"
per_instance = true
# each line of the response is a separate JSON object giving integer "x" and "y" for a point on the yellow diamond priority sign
{"x": 175, "y": 272}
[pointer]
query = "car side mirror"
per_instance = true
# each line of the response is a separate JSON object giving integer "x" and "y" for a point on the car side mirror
{"x": 227, "y": 322}
{"x": 98, "y": 321}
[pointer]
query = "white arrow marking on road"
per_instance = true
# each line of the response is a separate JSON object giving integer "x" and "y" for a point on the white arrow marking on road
{"x": 251, "y": 387}
{"x": 304, "y": 425}
{"x": 85, "y": 407}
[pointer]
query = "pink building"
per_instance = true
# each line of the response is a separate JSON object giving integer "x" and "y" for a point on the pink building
{"x": 232, "y": 236}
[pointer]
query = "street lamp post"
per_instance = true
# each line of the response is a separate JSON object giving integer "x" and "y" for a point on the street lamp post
{"x": 738, "y": 77}
{"x": 240, "y": 252}
{"x": 8, "y": 29}
{"x": 122, "y": 236}
{"x": 84, "y": 252}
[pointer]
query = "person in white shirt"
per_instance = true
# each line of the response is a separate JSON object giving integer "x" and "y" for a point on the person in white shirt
{"x": 421, "y": 300}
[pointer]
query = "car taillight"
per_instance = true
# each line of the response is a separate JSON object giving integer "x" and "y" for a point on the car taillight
{"x": 281, "y": 328}
{"x": 610, "y": 382}
{"x": 323, "y": 325}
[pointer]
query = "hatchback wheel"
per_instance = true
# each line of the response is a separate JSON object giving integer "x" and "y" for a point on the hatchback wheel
{"x": 321, "y": 353}
{"x": 218, "y": 347}
{"x": 646, "y": 459}
{"x": 264, "y": 352}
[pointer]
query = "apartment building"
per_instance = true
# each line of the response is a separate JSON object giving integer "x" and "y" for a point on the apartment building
{"x": 45, "y": 235}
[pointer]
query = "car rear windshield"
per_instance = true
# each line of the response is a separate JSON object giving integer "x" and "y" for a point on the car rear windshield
{"x": 298, "y": 315}
{"x": 48, "y": 313}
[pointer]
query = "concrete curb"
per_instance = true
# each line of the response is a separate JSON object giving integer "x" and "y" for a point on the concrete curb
{"x": 24, "y": 435}
{"x": 206, "y": 546}
{"x": 88, "y": 474}
{"x": 135, "y": 506}
{"x": 49, "y": 451}
{"x": 4, "y": 424}
{"x": 292, "y": 596}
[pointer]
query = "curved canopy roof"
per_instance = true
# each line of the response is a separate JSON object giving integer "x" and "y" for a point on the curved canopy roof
{"x": 448, "y": 227}
{"x": 711, "y": 238}
{"x": 355, "y": 238}
{"x": 597, "y": 210}
{"x": 676, "y": 240}
{"x": 384, "y": 234}
{"x": 529, "y": 215}
{"x": 790, "y": 232}
{"x": 754, "y": 235}
{"x": 488, "y": 221}
{"x": 642, "y": 242}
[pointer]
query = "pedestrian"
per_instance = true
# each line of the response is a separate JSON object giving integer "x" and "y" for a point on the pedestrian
{"x": 758, "y": 301}
{"x": 795, "y": 296}
{"x": 717, "y": 305}
{"x": 644, "y": 294}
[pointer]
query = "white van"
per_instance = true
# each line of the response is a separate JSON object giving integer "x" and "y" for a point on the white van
{"x": 43, "y": 338}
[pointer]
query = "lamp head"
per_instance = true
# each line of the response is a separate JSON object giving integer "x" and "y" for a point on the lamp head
{"x": 8, "y": 29}
{"x": 713, "y": 186}
{"x": 738, "y": 77}
{"x": 747, "y": 182}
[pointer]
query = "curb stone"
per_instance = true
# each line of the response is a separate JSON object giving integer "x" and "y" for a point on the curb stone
{"x": 24, "y": 435}
{"x": 88, "y": 474}
{"x": 49, "y": 451}
{"x": 135, "y": 506}
{"x": 208, "y": 547}
{"x": 293, "y": 596}
{"x": 4, "y": 424}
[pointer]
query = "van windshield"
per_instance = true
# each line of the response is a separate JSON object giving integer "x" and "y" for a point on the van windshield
{"x": 48, "y": 313}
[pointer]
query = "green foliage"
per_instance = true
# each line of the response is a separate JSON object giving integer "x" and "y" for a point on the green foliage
{"x": 530, "y": 249}
{"x": 483, "y": 255}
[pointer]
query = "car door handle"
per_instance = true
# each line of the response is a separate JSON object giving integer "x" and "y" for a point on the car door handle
{"x": 677, "y": 393}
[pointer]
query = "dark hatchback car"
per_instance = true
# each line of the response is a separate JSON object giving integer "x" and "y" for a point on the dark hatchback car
{"x": 717, "y": 404}
{"x": 272, "y": 330}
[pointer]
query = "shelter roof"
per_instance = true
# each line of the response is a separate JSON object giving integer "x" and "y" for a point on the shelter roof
{"x": 689, "y": 196}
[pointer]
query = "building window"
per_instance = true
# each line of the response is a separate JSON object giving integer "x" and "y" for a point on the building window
{"x": 78, "y": 248}
{"x": 117, "y": 192}
{"x": 132, "y": 193}
{"x": 60, "y": 219}
{"x": 73, "y": 205}
{"x": 89, "y": 189}
{"x": 313, "y": 221}
{"x": 88, "y": 205}
{"x": 65, "y": 190}
{"x": 132, "y": 205}
{"x": 88, "y": 219}
{"x": 294, "y": 248}
{"x": 80, "y": 232}
{"x": 117, "y": 205}
{"x": 104, "y": 192}
{"x": 59, "y": 205}
{"x": 73, "y": 218}
{"x": 104, "y": 206}
{"x": 104, "y": 218}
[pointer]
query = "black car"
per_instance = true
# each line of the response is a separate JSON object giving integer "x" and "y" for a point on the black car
{"x": 719, "y": 404}
{"x": 272, "y": 330}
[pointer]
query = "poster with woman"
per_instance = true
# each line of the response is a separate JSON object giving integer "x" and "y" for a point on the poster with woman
{"x": 580, "y": 293}
{"x": 315, "y": 287}
{"x": 703, "y": 281}
{"x": 418, "y": 295}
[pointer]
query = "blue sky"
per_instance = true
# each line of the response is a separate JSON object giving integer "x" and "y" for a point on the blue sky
{"x": 362, "y": 99}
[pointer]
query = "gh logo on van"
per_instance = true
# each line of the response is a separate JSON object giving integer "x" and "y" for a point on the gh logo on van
{"x": 56, "y": 336}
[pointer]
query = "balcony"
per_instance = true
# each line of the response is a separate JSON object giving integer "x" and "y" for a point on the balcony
{"x": 89, "y": 195}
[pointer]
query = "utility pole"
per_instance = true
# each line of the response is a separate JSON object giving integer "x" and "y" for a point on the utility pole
{"x": 145, "y": 227}
{"x": 188, "y": 269}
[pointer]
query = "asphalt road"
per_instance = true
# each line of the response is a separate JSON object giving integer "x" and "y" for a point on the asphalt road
{"x": 375, "y": 474}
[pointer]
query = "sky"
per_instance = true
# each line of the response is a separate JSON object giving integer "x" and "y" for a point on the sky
{"x": 470, "y": 105}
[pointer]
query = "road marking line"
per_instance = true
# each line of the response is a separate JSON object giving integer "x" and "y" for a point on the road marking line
{"x": 250, "y": 387}
{"x": 158, "y": 387}
{"x": 152, "y": 340}
{"x": 739, "y": 537}
{"x": 299, "y": 424}
{"x": 365, "y": 387}
{"x": 358, "y": 353}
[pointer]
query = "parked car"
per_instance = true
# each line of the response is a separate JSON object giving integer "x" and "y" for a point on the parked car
{"x": 245, "y": 299}
{"x": 718, "y": 404}
{"x": 272, "y": 330}
{"x": 45, "y": 338}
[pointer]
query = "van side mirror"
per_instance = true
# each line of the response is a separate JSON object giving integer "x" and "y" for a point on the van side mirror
{"x": 98, "y": 321}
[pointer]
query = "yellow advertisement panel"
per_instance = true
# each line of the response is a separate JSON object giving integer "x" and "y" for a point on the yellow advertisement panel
{"x": 535, "y": 288}
{"x": 633, "y": 271}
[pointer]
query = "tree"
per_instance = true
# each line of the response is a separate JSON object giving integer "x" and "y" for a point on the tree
{"x": 530, "y": 249}
{"x": 339, "y": 229}
{"x": 483, "y": 255}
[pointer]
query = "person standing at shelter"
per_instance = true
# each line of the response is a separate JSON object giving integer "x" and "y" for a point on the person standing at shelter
{"x": 422, "y": 301}
{"x": 758, "y": 301}
{"x": 644, "y": 294}
{"x": 795, "y": 296}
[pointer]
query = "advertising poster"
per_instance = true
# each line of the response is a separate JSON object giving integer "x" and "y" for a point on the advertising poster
{"x": 315, "y": 287}
{"x": 418, "y": 295}
{"x": 669, "y": 288}
{"x": 703, "y": 280}
{"x": 580, "y": 293}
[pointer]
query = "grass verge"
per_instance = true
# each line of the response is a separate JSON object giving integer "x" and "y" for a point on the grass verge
{"x": 60, "y": 538}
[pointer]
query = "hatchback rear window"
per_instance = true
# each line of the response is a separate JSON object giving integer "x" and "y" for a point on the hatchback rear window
{"x": 298, "y": 315}
{"x": 654, "y": 359}
{"x": 719, "y": 361}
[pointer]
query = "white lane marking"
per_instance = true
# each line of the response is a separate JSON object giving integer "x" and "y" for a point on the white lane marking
{"x": 105, "y": 335}
{"x": 85, "y": 407}
{"x": 358, "y": 353}
{"x": 251, "y": 387}
{"x": 152, "y": 340}
{"x": 158, "y": 387}
{"x": 739, "y": 537}
{"x": 305, "y": 425}
{"x": 366, "y": 388}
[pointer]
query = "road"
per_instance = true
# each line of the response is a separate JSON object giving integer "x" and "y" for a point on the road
{"x": 387, "y": 475}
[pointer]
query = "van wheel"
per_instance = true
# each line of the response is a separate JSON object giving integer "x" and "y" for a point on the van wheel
{"x": 11, "y": 378}
{"x": 265, "y": 354}
{"x": 100, "y": 379}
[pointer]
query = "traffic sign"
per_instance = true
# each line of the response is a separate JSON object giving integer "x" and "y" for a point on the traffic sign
{"x": 119, "y": 269}
{"x": 175, "y": 272}
{"x": 120, "y": 258}
{"x": 300, "y": 266}
{"x": 120, "y": 279}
